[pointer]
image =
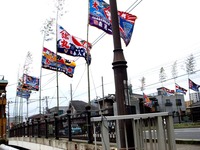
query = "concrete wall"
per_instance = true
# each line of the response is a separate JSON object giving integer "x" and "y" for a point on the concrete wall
{"x": 53, "y": 144}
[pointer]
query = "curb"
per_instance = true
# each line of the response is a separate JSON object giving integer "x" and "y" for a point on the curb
{"x": 188, "y": 141}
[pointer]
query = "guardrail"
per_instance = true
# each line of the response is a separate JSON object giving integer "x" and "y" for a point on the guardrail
{"x": 55, "y": 126}
{"x": 152, "y": 131}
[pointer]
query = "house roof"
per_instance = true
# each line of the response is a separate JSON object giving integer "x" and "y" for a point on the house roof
{"x": 60, "y": 108}
{"x": 79, "y": 106}
{"x": 37, "y": 116}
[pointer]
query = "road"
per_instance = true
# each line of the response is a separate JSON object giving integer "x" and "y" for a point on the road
{"x": 187, "y": 133}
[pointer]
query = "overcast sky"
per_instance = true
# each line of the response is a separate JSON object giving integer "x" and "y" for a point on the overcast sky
{"x": 165, "y": 31}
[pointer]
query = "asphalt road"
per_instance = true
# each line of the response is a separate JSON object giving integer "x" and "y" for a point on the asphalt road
{"x": 187, "y": 133}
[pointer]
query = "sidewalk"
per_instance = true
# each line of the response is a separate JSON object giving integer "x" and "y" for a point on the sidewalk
{"x": 188, "y": 144}
{"x": 187, "y": 147}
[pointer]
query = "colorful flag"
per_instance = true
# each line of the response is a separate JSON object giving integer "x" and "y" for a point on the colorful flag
{"x": 30, "y": 82}
{"x": 69, "y": 45}
{"x": 193, "y": 86}
{"x": 167, "y": 92}
{"x": 147, "y": 101}
{"x": 180, "y": 89}
{"x": 49, "y": 61}
{"x": 100, "y": 17}
{"x": 23, "y": 93}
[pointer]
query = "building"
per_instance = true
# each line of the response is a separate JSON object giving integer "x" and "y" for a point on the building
{"x": 3, "y": 101}
{"x": 51, "y": 112}
{"x": 61, "y": 110}
{"x": 194, "y": 110}
{"x": 187, "y": 104}
{"x": 15, "y": 120}
{"x": 174, "y": 102}
{"x": 195, "y": 97}
{"x": 106, "y": 104}
{"x": 77, "y": 107}
{"x": 135, "y": 104}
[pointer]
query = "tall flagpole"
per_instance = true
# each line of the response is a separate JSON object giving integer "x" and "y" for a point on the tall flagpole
{"x": 40, "y": 87}
{"x": 59, "y": 7}
{"x": 88, "y": 52}
{"x": 47, "y": 30}
{"x": 57, "y": 61}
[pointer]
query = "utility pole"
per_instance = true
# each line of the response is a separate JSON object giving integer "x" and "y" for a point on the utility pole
{"x": 120, "y": 75}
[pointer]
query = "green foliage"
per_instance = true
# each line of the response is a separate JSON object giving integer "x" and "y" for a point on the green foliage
{"x": 143, "y": 83}
{"x": 162, "y": 75}
{"x": 187, "y": 125}
{"x": 190, "y": 64}
{"x": 174, "y": 70}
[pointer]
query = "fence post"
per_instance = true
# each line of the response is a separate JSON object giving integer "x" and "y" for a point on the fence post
{"x": 38, "y": 127}
{"x": 23, "y": 129}
{"x": 88, "y": 116}
{"x": 10, "y": 132}
{"x": 69, "y": 124}
{"x": 27, "y": 127}
{"x": 20, "y": 129}
{"x": 32, "y": 122}
{"x": 46, "y": 127}
{"x": 14, "y": 131}
{"x": 17, "y": 130}
{"x": 56, "y": 126}
{"x": 160, "y": 133}
{"x": 170, "y": 132}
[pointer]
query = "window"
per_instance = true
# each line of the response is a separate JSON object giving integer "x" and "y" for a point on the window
{"x": 168, "y": 102}
{"x": 178, "y": 102}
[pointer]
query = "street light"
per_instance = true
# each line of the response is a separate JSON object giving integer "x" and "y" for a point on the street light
{"x": 120, "y": 75}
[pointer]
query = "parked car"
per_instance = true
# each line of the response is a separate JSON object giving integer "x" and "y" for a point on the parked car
{"x": 74, "y": 130}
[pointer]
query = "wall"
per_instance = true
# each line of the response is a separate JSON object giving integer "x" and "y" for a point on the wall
{"x": 52, "y": 144}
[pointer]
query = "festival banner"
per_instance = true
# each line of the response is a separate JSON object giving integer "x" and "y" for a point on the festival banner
{"x": 193, "y": 86}
{"x": 180, "y": 89}
{"x": 69, "y": 45}
{"x": 100, "y": 17}
{"x": 167, "y": 92}
{"x": 60, "y": 64}
{"x": 23, "y": 94}
{"x": 30, "y": 82}
{"x": 147, "y": 101}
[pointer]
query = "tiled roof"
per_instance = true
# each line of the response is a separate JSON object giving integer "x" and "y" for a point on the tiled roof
{"x": 79, "y": 106}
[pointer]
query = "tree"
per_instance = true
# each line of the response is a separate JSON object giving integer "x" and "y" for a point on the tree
{"x": 143, "y": 83}
{"x": 162, "y": 75}
{"x": 190, "y": 68}
{"x": 47, "y": 29}
{"x": 190, "y": 64}
{"x": 174, "y": 70}
{"x": 130, "y": 89}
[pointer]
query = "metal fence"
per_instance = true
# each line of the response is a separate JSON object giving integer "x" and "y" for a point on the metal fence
{"x": 152, "y": 131}
{"x": 64, "y": 126}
